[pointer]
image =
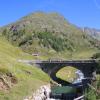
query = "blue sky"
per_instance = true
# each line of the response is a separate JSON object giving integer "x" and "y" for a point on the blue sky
{"x": 79, "y": 12}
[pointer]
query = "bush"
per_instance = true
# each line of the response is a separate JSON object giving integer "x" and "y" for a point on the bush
{"x": 96, "y": 56}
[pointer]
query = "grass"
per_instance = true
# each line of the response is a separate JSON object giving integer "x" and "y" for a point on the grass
{"x": 27, "y": 83}
{"x": 66, "y": 55}
{"x": 29, "y": 77}
{"x": 67, "y": 73}
{"x": 84, "y": 54}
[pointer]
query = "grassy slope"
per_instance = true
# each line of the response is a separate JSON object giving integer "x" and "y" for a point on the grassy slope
{"x": 67, "y": 74}
{"x": 29, "y": 78}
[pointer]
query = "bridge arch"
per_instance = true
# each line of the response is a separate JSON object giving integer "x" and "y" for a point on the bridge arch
{"x": 87, "y": 67}
{"x": 55, "y": 69}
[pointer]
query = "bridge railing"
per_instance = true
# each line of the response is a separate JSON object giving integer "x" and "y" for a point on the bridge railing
{"x": 60, "y": 61}
{"x": 67, "y": 61}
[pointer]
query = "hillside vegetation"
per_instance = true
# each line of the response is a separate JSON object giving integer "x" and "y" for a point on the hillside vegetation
{"x": 67, "y": 74}
{"x": 49, "y": 34}
{"x": 93, "y": 93}
{"x": 17, "y": 80}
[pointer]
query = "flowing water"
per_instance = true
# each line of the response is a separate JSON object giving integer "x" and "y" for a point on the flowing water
{"x": 67, "y": 92}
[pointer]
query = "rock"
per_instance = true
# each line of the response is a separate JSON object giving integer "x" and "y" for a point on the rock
{"x": 43, "y": 93}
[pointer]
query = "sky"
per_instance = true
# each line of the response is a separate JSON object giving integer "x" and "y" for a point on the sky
{"x": 83, "y": 13}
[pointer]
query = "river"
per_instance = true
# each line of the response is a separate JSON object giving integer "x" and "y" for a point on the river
{"x": 68, "y": 92}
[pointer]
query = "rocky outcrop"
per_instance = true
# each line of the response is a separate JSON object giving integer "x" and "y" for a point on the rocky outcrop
{"x": 95, "y": 33}
{"x": 7, "y": 81}
{"x": 43, "y": 93}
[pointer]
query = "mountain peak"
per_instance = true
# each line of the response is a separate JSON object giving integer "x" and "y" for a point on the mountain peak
{"x": 48, "y": 31}
{"x": 40, "y": 21}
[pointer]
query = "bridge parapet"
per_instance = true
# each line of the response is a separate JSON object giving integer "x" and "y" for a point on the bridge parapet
{"x": 67, "y": 61}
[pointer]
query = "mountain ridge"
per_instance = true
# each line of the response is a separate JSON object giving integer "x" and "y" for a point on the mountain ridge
{"x": 95, "y": 33}
{"x": 46, "y": 32}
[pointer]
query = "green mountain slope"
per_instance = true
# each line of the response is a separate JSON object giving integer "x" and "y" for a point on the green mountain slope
{"x": 49, "y": 34}
{"x": 17, "y": 79}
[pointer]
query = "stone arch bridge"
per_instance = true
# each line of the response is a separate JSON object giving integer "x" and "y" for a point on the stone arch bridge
{"x": 51, "y": 67}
